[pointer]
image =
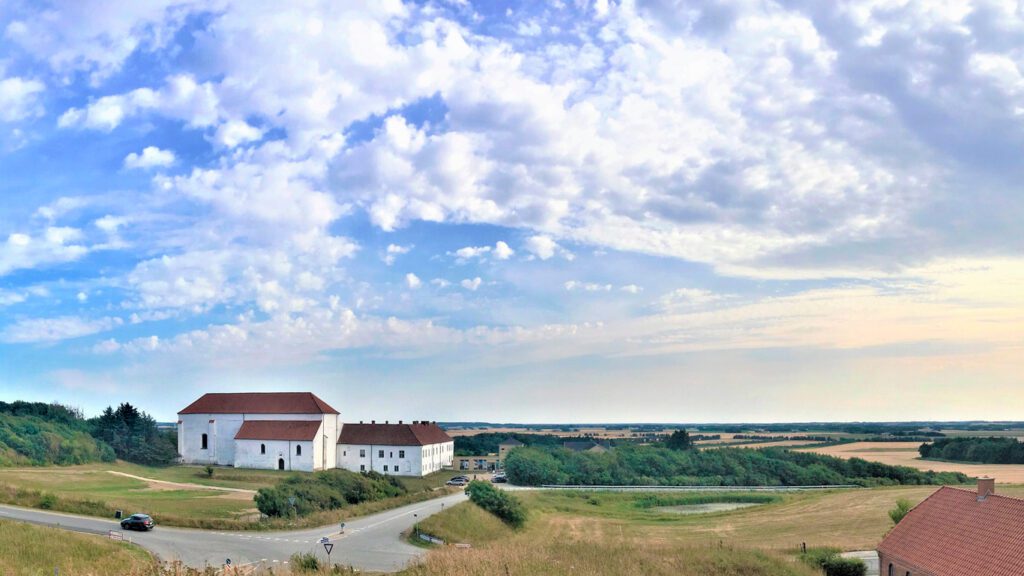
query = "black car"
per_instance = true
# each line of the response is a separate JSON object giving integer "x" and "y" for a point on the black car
{"x": 499, "y": 480}
{"x": 138, "y": 522}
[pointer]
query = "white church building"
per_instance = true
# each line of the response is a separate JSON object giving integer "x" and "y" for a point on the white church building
{"x": 299, "y": 431}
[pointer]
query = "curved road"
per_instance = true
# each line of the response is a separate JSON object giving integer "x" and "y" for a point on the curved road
{"x": 371, "y": 543}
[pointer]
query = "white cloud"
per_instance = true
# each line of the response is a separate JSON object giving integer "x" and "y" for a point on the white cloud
{"x": 181, "y": 98}
{"x": 151, "y": 157}
{"x": 10, "y": 298}
{"x": 544, "y": 247}
{"x": 394, "y": 251}
{"x": 502, "y": 251}
{"x": 412, "y": 281}
{"x": 440, "y": 282}
{"x": 55, "y": 244}
{"x": 469, "y": 252}
{"x": 235, "y": 132}
{"x": 32, "y": 330}
{"x": 631, "y": 289}
{"x": 471, "y": 284}
{"x": 19, "y": 98}
{"x": 587, "y": 286}
{"x": 82, "y": 297}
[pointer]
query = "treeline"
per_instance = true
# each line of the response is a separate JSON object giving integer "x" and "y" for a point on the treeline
{"x": 326, "y": 490}
{"x": 779, "y": 438}
{"x": 36, "y": 433}
{"x": 487, "y": 443}
{"x": 982, "y": 450}
{"x": 631, "y": 465}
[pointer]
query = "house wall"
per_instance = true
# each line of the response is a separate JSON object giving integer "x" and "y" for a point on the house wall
{"x": 418, "y": 460}
{"x": 899, "y": 568}
{"x": 220, "y": 430}
{"x": 249, "y": 455}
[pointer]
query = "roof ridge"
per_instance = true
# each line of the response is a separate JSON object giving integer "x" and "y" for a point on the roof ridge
{"x": 975, "y": 492}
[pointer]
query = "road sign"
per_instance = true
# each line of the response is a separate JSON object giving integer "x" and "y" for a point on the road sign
{"x": 325, "y": 540}
{"x": 291, "y": 500}
{"x": 328, "y": 547}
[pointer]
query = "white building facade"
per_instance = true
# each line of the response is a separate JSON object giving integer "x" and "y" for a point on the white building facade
{"x": 401, "y": 449}
{"x": 273, "y": 430}
{"x": 298, "y": 431}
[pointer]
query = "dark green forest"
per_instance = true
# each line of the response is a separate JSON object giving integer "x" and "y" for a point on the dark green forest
{"x": 981, "y": 450}
{"x": 487, "y": 442}
{"x": 39, "y": 434}
{"x": 658, "y": 465}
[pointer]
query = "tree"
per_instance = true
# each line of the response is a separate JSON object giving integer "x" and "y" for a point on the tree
{"x": 903, "y": 506}
{"x": 679, "y": 440}
{"x": 134, "y": 435}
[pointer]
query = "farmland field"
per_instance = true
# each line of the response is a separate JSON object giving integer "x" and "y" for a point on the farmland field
{"x": 28, "y": 550}
{"x": 905, "y": 454}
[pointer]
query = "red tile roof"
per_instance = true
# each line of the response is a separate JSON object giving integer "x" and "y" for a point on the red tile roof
{"x": 259, "y": 403}
{"x": 951, "y": 533}
{"x": 417, "y": 434}
{"x": 278, "y": 430}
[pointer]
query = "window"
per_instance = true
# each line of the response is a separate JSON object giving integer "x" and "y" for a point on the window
{"x": 380, "y": 453}
{"x": 204, "y": 441}
{"x": 401, "y": 453}
{"x": 362, "y": 453}
{"x": 391, "y": 454}
{"x": 385, "y": 467}
{"x": 263, "y": 448}
{"x": 362, "y": 467}
{"x": 344, "y": 452}
{"x": 890, "y": 568}
{"x": 298, "y": 450}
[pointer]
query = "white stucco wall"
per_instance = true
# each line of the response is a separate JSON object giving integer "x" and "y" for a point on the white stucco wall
{"x": 221, "y": 436}
{"x": 249, "y": 455}
{"x": 417, "y": 460}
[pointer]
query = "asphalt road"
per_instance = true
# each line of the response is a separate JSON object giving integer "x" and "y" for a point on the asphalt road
{"x": 371, "y": 543}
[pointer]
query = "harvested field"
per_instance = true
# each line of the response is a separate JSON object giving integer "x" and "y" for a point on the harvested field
{"x": 905, "y": 454}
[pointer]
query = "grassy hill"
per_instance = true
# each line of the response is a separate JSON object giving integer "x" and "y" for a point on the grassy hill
{"x": 40, "y": 434}
{"x": 28, "y": 550}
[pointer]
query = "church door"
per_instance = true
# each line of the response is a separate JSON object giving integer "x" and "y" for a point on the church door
{"x": 280, "y": 463}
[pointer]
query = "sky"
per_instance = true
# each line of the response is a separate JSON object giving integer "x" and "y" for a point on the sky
{"x": 535, "y": 211}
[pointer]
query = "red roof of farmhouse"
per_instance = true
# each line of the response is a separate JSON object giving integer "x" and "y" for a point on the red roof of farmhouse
{"x": 415, "y": 434}
{"x": 259, "y": 403}
{"x": 953, "y": 533}
{"x": 278, "y": 430}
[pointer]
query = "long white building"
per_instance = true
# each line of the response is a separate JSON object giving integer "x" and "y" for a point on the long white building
{"x": 299, "y": 431}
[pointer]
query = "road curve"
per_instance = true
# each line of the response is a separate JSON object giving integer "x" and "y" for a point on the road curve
{"x": 371, "y": 543}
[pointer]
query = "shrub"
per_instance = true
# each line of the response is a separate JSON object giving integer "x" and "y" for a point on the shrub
{"x": 839, "y": 566}
{"x": 47, "y": 501}
{"x": 304, "y": 562}
{"x": 209, "y": 471}
{"x": 502, "y": 504}
{"x": 903, "y": 507}
{"x": 326, "y": 490}
{"x": 818, "y": 557}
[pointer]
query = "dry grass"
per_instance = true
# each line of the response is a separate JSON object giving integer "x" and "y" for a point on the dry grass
{"x": 905, "y": 454}
{"x": 27, "y": 550}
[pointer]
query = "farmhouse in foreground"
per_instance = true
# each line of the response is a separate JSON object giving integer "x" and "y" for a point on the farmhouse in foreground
{"x": 956, "y": 532}
{"x": 299, "y": 431}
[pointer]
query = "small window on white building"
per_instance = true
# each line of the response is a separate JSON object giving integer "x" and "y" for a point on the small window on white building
{"x": 380, "y": 453}
{"x": 385, "y": 467}
{"x": 298, "y": 450}
{"x": 204, "y": 441}
{"x": 344, "y": 452}
{"x": 391, "y": 454}
{"x": 263, "y": 448}
{"x": 362, "y": 467}
{"x": 401, "y": 453}
{"x": 362, "y": 453}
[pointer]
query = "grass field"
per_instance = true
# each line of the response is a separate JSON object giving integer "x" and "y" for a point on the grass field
{"x": 93, "y": 490}
{"x": 27, "y": 550}
{"x": 905, "y": 454}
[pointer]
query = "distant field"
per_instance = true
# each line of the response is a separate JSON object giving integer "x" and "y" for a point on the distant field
{"x": 905, "y": 454}
{"x": 27, "y": 550}
{"x": 586, "y": 431}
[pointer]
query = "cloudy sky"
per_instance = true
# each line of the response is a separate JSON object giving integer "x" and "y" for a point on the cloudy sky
{"x": 633, "y": 210}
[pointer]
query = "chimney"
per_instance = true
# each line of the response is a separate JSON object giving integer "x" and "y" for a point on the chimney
{"x": 373, "y": 421}
{"x": 360, "y": 421}
{"x": 399, "y": 421}
{"x": 387, "y": 422}
{"x": 986, "y": 487}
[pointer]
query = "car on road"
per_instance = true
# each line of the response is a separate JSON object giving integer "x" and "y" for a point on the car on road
{"x": 138, "y": 522}
{"x": 499, "y": 479}
{"x": 457, "y": 482}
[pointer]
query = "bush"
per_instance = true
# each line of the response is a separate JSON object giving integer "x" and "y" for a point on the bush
{"x": 839, "y": 566}
{"x": 47, "y": 501}
{"x": 326, "y": 490}
{"x": 902, "y": 508}
{"x": 304, "y": 562}
{"x": 818, "y": 557}
{"x": 209, "y": 471}
{"x": 502, "y": 504}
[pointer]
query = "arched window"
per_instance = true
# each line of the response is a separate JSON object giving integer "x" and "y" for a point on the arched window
{"x": 263, "y": 448}
{"x": 204, "y": 441}
{"x": 890, "y": 568}
{"x": 298, "y": 450}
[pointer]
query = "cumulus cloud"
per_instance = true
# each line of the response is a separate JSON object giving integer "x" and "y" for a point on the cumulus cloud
{"x": 54, "y": 244}
{"x": 412, "y": 281}
{"x": 19, "y": 98}
{"x": 181, "y": 98}
{"x": 236, "y": 132}
{"x": 544, "y": 247}
{"x": 587, "y": 286}
{"x": 502, "y": 250}
{"x": 471, "y": 284}
{"x": 393, "y": 251}
{"x": 151, "y": 157}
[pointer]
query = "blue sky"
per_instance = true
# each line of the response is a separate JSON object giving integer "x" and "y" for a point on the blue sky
{"x": 537, "y": 211}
